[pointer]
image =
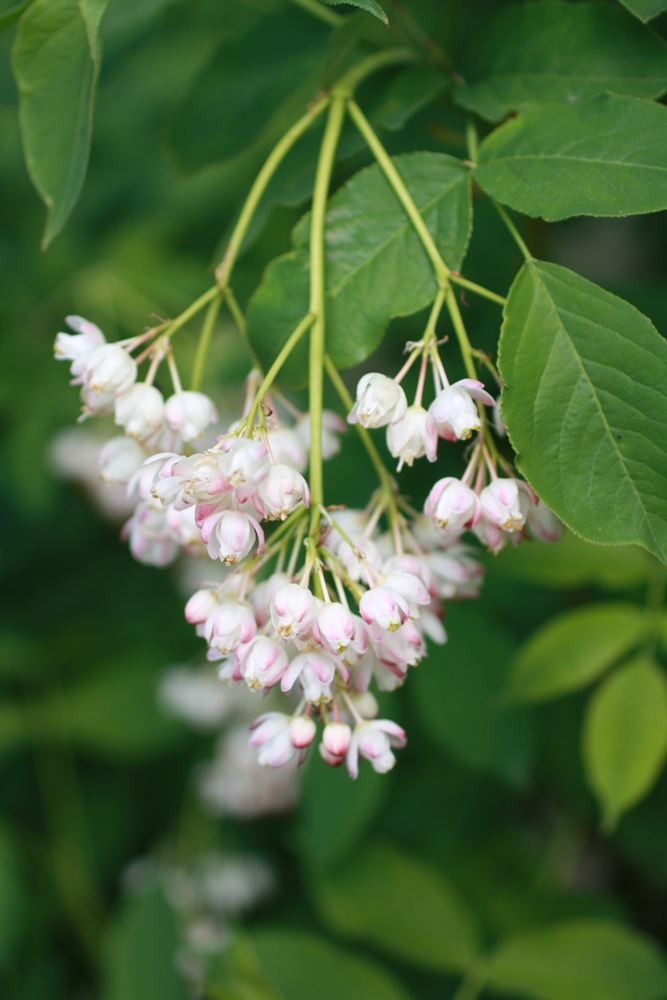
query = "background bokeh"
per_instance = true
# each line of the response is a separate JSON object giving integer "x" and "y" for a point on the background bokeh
{"x": 109, "y": 855}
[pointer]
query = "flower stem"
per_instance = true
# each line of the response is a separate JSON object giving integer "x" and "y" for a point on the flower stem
{"x": 270, "y": 376}
{"x": 513, "y": 230}
{"x": 204, "y": 341}
{"x": 345, "y": 87}
{"x": 461, "y": 334}
{"x": 317, "y": 299}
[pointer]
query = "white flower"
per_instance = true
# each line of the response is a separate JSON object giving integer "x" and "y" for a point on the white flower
{"x": 332, "y": 426}
{"x": 502, "y": 506}
{"x": 119, "y": 459}
{"x": 380, "y": 401}
{"x": 150, "y": 539}
{"x": 336, "y": 627}
{"x": 264, "y": 663}
{"x": 243, "y": 465}
{"x": 140, "y": 410}
{"x": 452, "y": 505}
{"x": 278, "y": 737}
{"x": 293, "y": 610}
{"x": 315, "y": 671}
{"x": 454, "y": 410}
{"x": 229, "y": 535}
{"x": 412, "y": 436}
{"x": 287, "y": 448}
{"x": 197, "y": 697}
{"x": 200, "y": 606}
{"x": 109, "y": 368}
{"x": 384, "y": 607}
{"x": 190, "y": 413}
{"x": 374, "y": 740}
{"x": 282, "y": 490}
{"x": 229, "y": 626}
{"x": 78, "y": 347}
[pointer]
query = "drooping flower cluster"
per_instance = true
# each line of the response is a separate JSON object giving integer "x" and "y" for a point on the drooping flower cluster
{"x": 319, "y": 607}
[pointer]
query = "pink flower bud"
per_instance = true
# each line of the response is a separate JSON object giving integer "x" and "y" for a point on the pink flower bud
{"x": 454, "y": 410}
{"x": 452, "y": 505}
{"x": 190, "y": 413}
{"x": 335, "y": 627}
{"x": 282, "y": 490}
{"x": 263, "y": 595}
{"x": 200, "y": 606}
{"x": 109, "y": 368}
{"x": 315, "y": 672}
{"x": 293, "y": 610}
{"x": 229, "y": 626}
{"x": 374, "y": 740}
{"x": 140, "y": 410}
{"x": 380, "y": 401}
{"x": 230, "y": 535}
{"x": 501, "y": 505}
{"x": 384, "y": 607}
{"x": 336, "y": 738}
{"x": 302, "y": 731}
{"x": 264, "y": 663}
{"x": 413, "y": 436}
{"x": 409, "y": 586}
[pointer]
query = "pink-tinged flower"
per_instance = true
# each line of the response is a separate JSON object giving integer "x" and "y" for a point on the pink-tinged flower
{"x": 78, "y": 347}
{"x": 432, "y": 627}
{"x": 140, "y": 410}
{"x": 335, "y": 627}
{"x": 190, "y": 413}
{"x": 229, "y": 626}
{"x": 384, "y": 607}
{"x": 293, "y": 610}
{"x": 336, "y": 739}
{"x": 109, "y": 368}
{"x": 287, "y": 448}
{"x": 491, "y": 535}
{"x": 457, "y": 574}
{"x": 242, "y": 466}
{"x": 264, "y": 593}
{"x": 398, "y": 650}
{"x": 542, "y": 522}
{"x": 184, "y": 530}
{"x": 264, "y": 663}
{"x": 272, "y": 739}
{"x": 501, "y": 504}
{"x": 315, "y": 672}
{"x": 332, "y": 426}
{"x": 119, "y": 459}
{"x": 149, "y": 536}
{"x": 409, "y": 586}
{"x": 413, "y": 436}
{"x": 95, "y": 404}
{"x": 229, "y": 536}
{"x": 280, "y": 493}
{"x": 182, "y": 480}
{"x": 409, "y": 562}
{"x": 302, "y": 731}
{"x": 380, "y": 401}
{"x": 374, "y": 740}
{"x": 453, "y": 506}
{"x": 454, "y": 410}
{"x": 200, "y": 606}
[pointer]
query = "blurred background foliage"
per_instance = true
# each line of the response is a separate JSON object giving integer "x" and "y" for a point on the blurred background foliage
{"x": 486, "y": 833}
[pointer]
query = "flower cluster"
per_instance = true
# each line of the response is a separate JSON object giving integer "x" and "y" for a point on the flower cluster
{"x": 319, "y": 606}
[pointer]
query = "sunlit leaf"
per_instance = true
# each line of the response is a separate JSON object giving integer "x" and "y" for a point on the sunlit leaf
{"x": 645, "y": 9}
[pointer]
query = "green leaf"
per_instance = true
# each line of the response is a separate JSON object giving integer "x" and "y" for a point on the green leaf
{"x": 585, "y": 403}
{"x": 645, "y": 9}
{"x": 302, "y": 965}
{"x": 336, "y": 813}
{"x": 606, "y": 156}
{"x": 407, "y": 908}
{"x": 370, "y": 5}
{"x": 591, "y": 959}
{"x": 56, "y": 60}
{"x": 576, "y": 563}
{"x": 246, "y": 85}
{"x": 625, "y": 736}
{"x": 573, "y": 649}
{"x": 408, "y": 93}
{"x": 457, "y": 694}
{"x": 8, "y": 17}
{"x": 13, "y": 899}
{"x": 548, "y": 51}
{"x": 376, "y": 267}
{"x": 141, "y": 961}
{"x": 12, "y": 728}
{"x": 115, "y": 712}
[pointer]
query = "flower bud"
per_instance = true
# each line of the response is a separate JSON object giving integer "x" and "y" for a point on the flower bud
{"x": 271, "y": 737}
{"x": 229, "y": 626}
{"x": 336, "y": 738}
{"x": 452, "y": 505}
{"x": 413, "y": 436}
{"x": 384, "y": 607}
{"x": 282, "y": 490}
{"x": 243, "y": 465}
{"x": 293, "y": 610}
{"x": 264, "y": 663}
{"x": 200, "y": 606}
{"x": 288, "y": 448}
{"x": 335, "y": 627}
{"x": 109, "y": 368}
{"x": 315, "y": 672}
{"x": 409, "y": 586}
{"x": 140, "y": 410}
{"x": 374, "y": 740}
{"x": 501, "y": 506}
{"x": 119, "y": 459}
{"x": 380, "y": 401}
{"x": 302, "y": 731}
{"x": 190, "y": 413}
{"x": 230, "y": 535}
{"x": 454, "y": 410}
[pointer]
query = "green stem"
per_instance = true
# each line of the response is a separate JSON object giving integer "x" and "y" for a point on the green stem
{"x": 436, "y": 309}
{"x": 347, "y": 84}
{"x": 472, "y": 142}
{"x": 236, "y": 311}
{"x": 321, "y": 12}
{"x": 485, "y": 293}
{"x": 270, "y": 376}
{"x": 204, "y": 342}
{"x": 402, "y": 193}
{"x": 461, "y": 334}
{"x": 192, "y": 310}
{"x": 317, "y": 299}
{"x": 275, "y": 158}
{"x": 513, "y": 230}
{"x": 473, "y": 983}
